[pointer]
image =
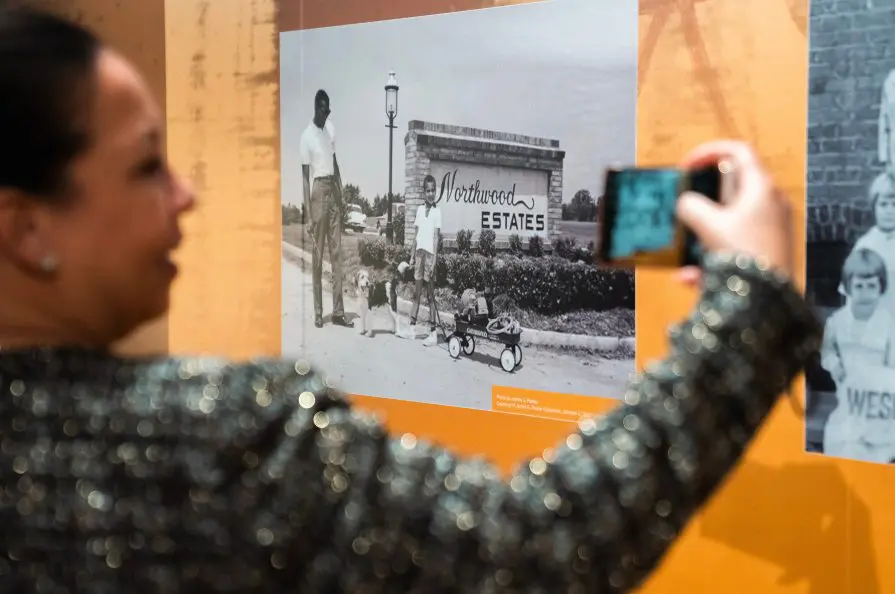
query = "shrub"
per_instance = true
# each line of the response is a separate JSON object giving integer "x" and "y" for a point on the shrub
{"x": 464, "y": 241}
{"x": 549, "y": 285}
{"x": 343, "y": 210}
{"x": 516, "y": 245}
{"x": 398, "y": 227}
{"x": 565, "y": 247}
{"x": 441, "y": 275}
{"x": 377, "y": 253}
{"x": 535, "y": 246}
{"x": 586, "y": 254}
{"x": 486, "y": 243}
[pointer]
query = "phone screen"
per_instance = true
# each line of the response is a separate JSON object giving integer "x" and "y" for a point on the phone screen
{"x": 639, "y": 212}
{"x": 644, "y": 219}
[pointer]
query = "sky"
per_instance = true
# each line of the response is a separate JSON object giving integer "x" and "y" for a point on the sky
{"x": 562, "y": 69}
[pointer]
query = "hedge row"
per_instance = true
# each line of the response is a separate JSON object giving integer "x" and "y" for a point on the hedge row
{"x": 549, "y": 285}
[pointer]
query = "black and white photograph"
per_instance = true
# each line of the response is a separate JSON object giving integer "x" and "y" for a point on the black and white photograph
{"x": 441, "y": 178}
{"x": 850, "y": 390}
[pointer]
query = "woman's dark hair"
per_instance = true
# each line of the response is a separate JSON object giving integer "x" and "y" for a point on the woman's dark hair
{"x": 46, "y": 65}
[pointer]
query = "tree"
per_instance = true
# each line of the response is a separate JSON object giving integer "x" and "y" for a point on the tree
{"x": 351, "y": 194}
{"x": 582, "y": 207}
{"x": 567, "y": 214}
{"x": 292, "y": 214}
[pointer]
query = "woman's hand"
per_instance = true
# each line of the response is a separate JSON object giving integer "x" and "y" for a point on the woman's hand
{"x": 754, "y": 218}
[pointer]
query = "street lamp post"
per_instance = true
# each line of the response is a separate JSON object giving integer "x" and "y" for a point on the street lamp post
{"x": 391, "y": 111}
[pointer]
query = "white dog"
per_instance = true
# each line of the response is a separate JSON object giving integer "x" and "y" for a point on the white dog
{"x": 377, "y": 294}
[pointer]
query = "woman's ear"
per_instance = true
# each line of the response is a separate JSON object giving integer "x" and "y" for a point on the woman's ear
{"x": 26, "y": 236}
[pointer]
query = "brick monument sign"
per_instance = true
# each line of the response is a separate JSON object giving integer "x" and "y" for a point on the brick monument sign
{"x": 508, "y": 183}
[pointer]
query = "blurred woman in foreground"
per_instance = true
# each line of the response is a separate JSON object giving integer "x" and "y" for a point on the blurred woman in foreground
{"x": 199, "y": 475}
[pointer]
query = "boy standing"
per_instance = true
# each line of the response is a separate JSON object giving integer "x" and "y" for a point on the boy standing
{"x": 860, "y": 336}
{"x": 428, "y": 233}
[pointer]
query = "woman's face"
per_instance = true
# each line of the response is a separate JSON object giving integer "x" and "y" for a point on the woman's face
{"x": 885, "y": 211}
{"x": 114, "y": 238}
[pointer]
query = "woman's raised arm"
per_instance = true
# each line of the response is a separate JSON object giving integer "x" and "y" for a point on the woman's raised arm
{"x": 334, "y": 504}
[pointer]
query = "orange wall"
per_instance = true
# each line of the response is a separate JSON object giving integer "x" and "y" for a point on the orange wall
{"x": 786, "y": 522}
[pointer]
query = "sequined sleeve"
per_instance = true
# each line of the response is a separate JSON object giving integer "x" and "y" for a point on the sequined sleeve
{"x": 334, "y": 504}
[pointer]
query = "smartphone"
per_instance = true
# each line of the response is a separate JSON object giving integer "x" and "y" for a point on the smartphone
{"x": 638, "y": 226}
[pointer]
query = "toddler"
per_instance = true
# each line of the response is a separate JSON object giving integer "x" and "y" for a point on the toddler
{"x": 858, "y": 337}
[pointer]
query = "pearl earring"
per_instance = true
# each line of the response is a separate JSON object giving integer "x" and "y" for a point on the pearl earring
{"x": 48, "y": 264}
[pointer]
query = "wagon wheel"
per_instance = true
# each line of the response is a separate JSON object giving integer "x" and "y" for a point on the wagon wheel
{"x": 517, "y": 353}
{"x": 508, "y": 360}
{"x": 454, "y": 347}
{"x": 469, "y": 346}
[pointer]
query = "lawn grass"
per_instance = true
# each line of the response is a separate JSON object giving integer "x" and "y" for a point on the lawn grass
{"x": 583, "y": 232}
{"x": 617, "y": 322}
{"x": 299, "y": 236}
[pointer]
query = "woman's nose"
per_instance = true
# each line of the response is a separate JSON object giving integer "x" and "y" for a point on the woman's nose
{"x": 184, "y": 195}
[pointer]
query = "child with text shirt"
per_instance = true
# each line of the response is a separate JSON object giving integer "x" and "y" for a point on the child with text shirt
{"x": 858, "y": 337}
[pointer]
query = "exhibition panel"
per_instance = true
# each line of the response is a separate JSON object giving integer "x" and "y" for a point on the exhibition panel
{"x": 439, "y": 230}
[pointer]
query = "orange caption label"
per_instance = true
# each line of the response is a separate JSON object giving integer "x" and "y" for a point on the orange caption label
{"x": 548, "y": 405}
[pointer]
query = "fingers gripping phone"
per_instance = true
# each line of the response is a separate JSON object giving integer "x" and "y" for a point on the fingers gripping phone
{"x": 637, "y": 213}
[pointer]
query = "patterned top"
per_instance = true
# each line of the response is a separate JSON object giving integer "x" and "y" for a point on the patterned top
{"x": 190, "y": 475}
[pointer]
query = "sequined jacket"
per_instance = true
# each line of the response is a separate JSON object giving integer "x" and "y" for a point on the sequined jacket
{"x": 190, "y": 475}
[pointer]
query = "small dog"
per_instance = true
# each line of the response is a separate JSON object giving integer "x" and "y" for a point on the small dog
{"x": 374, "y": 294}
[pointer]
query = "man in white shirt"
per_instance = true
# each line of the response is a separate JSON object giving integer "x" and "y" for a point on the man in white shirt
{"x": 323, "y": 205}
{"x": 425, "y": 252}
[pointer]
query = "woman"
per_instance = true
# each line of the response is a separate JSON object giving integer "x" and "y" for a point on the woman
{"x": 194, "y": 475}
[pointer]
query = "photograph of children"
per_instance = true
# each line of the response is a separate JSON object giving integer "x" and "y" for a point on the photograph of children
{"x": 447, "y": 170}
{"x": 850, "y": 389}
{"x": 858, "y": 352}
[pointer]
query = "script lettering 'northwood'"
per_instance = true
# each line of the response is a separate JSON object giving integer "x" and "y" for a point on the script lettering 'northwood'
{"x": 474, "y": 194}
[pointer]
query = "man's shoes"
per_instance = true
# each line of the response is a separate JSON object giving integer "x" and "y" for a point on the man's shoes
{"x": 318, "y": 321}
{"x": 341, "y": 321}
{"x": 431, "y": 339}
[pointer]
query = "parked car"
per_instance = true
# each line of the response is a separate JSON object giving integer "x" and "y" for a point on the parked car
{"x": 357, "y": 220}
{"x": 382, "y": 221}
